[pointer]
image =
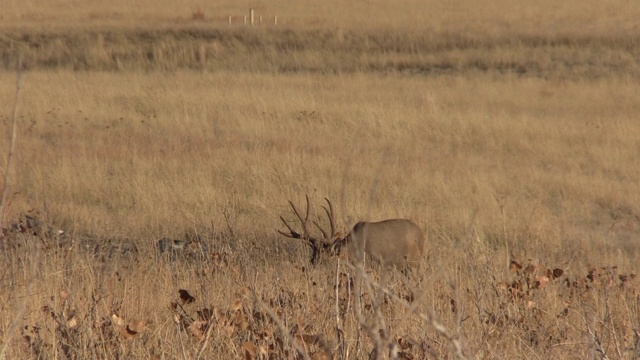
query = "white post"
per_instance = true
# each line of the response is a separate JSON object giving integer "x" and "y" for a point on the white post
{"x": 251, "y": 15}
{"x": 275, "y": 20}
{"x": 244, "y": 18}
{"x": 260, "y": 20}
{"x": 229, "y": 19}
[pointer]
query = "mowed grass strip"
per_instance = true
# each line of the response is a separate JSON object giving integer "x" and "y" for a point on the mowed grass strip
{"x": 325, "y": 51}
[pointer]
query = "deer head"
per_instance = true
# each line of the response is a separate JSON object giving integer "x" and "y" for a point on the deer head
{"x": 330, "y": 242}
{"x": 392, "y": 242}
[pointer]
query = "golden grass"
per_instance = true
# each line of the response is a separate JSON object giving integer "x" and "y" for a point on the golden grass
{"x": 133, "y": 151}
{"x": 509, "y": 136}
{"x": 491, "y": 165}
{"x": 206, "y": 46}
{"x": 498, "y": 16}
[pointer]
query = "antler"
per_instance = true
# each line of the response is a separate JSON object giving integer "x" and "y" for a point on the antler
{"x": 292, "y": 233}
{"x": 315, "y": 242}
{"x": 332, "y": 222}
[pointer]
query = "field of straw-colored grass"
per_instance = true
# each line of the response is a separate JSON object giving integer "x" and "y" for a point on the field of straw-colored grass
{"x": 513, "y": 147}
{"x": 587, "y": 17}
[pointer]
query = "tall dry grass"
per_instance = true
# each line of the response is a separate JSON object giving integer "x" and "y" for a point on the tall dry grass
{"x": 490, "y": 167}
{"x": 133, "y": 152}
{"x": 324, "y": 51}
{"x": 498, "y": 16}
{"x": 507, "y": 132}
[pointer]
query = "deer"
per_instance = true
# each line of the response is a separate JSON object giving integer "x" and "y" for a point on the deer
{"x": 392, "y": 242}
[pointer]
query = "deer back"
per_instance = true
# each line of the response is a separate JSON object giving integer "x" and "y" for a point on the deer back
{"x": 397, "y": 242}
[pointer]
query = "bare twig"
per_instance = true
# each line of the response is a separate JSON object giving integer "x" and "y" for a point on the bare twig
{"x": 636, "y": 345}
{"x": 598, "y": 344}
{"x": 206, "y": 339}
{"x": 5, "y": 190}
{"x": 15, "y": 324}
{"x": 428, "y": 318}
{"x": 12, "y": 145}
{"x": 337, "y": 288}
{"x": 377, "y": 331}
{"x": 282, "y": 327}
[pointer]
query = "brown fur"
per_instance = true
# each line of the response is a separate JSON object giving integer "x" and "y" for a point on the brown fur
{"x": 394, "y": 242}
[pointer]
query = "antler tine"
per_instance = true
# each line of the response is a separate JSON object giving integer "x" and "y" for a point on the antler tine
{"x": 304, "y": 222}
{"x": 292, "y": 233}
{"x": 306, "y": 217}
{"x": 306, "y": 196}
{"x": 295, "y": 210}
{"x": 317, "y": 244}
{"x": 332, "y": 220}
{"x": 324, "y": 233}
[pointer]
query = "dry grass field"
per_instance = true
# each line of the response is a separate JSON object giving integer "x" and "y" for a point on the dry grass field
{"x": 507, "y": 131}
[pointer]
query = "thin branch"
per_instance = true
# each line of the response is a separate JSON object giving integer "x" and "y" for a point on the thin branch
{"x": 282, "y": 327}
{"x": 12, "y": 145}
{"x": 206, "y": 339}
{"x": 597, "y": 343}
{"x": 429, "y": 318}
{"x": 13, "y": 328}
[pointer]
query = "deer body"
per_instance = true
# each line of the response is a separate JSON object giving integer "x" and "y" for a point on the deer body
{"x": 394, "y": 242}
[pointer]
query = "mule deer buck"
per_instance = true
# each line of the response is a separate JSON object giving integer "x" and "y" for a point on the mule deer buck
{"x": 393, "y": 242}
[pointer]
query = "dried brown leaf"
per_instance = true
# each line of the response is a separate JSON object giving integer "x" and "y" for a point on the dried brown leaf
{"x": 237, "y": 305}
{"x": 309, "y": 339}
{"x": 249, "y": 350}
{"x": 198, "y": 329}
{"x": 117, "y": 320}
{"x": 127, "y": 333}
{"x": 515, "y": 265}
{"x": 266, "y": 334}
{"x": 137, "y": 325}
{"x": 73, "y": 322}
{"x": 541, "y": 281}
{"x": 243, "y": 292}
{"x": 205, "y": 314}
{"x": 240, "y": 320}
{"x": 264, "y": 350}
{"x": 319, "y": 355}
{"x": 557, "y": 272}
{"x": 530, "y": 269}
{"x": 185, "y": 297}
{"x": 402, "y": 355}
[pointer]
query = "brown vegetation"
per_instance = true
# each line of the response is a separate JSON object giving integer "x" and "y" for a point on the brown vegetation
{"x": 162, "y": 142}
{"x": 324, "y": 51}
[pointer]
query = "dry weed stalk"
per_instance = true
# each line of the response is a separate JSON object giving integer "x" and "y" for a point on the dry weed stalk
{"x": 597, "y": 343}
{"x": 281, "y": 326}
{"x": 5, "y": 190}
{"x": 207, "y": 337}
{"x": 12, "y": 145}
{"x": 429, "y": 318}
